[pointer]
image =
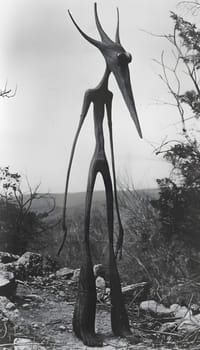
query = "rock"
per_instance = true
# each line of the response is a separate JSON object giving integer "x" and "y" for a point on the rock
{"x": 65, "y": 272}
{"x": 12, "y": 314}
{"x": 180, "y": 311}
{"x": 7, "y": 257}
{"x": 62, "y": 294}
{"x": 29, "y": 264}
{"x": 8, "y": 284}
{"x": 26, "y": 344}
{"x": 99, "y": 270}
{"x": 62, "y": 328}
{"x": 100, "y": 283}
{"x": 155, "y": 308}
{"x": 9, "y": 267}
{"x": 189, "y": 324}
{"x": 33, "y": 297}
{"x": 131, "y": 288}
{"x": 35, "y": 325}
{"x": 100, "y": 288}
{"x": 107, "y": 291}
{"x": 76, "y": 275}
{"x": 195, "y": 308}
{"x": 10, "y": 306}
{"x": 168, "y": 326}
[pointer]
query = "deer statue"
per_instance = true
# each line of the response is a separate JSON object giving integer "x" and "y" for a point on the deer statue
{"x": 117, "y": 60}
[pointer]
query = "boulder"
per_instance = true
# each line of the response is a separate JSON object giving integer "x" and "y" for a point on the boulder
{"x": 29, "y": 265}
{"x": 65, "y": 272}
{"x": 8, "y": 257}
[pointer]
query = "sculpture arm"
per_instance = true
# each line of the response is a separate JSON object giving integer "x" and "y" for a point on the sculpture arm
{"x": 86, "y": 105}
{"x": 121, "y": 231}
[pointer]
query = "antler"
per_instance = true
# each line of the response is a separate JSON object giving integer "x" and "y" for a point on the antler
{"x": 117, "y": 39}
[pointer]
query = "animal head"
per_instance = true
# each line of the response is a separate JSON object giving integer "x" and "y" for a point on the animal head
{"x": 117, "y": 60}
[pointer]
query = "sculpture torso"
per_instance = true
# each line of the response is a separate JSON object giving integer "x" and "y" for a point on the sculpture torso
{"x": 100, "y": 96}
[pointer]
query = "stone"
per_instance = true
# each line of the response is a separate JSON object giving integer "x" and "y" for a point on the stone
{"x": 168, "y": 326}
{"x": 13, "y": 315}
{"x": 26, "y": 344}
{"x": 137, "y": 292}
{"x": 180, "y": 311}
{"x": 29, "y": 264}
{"x": 10, "y": 306}
{"x": 35, "y": 325}
{"x": 76, "y": 275}
{"x": 99, "y": 270}
{"x": 33, "y": 297}
{"x": 8, "y": 257}
{"x": 100, "y": 283}
{"x": 189, "y": 324}
{"x": 195, "y": 308}
{"x": 155, "y": 308}
{"x": 65, "y": 272}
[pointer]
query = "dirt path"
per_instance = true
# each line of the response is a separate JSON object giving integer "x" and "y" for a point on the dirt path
{"x": 47, "y": 318}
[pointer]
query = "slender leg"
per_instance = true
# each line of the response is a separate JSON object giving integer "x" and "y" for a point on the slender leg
{"x": 119, "y": 317}
{"x": 85, "y": 308}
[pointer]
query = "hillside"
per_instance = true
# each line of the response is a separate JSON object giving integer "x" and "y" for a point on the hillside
{"x": 75, "y": 200}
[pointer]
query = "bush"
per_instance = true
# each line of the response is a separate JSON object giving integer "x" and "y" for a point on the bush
{"x": 19, "y": 223}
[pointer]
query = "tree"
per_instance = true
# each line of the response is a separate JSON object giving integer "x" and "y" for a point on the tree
{"x": 19, "y": 223}
{"x": 179, "y": 201}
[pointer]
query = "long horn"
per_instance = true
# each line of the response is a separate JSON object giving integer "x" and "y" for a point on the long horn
{"x": 117, "y": 39}
{"x": 94, "y": 42}
{"x": 104, "y": 37}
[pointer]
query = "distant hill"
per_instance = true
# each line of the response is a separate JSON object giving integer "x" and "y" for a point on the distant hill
{"x": 77, "y": 199}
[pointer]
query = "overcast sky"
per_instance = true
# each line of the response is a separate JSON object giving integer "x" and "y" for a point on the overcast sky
{"x": 43, "y": 54}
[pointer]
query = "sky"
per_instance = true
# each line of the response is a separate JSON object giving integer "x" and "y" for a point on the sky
{"x": 44, "y": 56}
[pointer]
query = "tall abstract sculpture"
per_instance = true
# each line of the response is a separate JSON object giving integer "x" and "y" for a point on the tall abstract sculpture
{"x": 117, "y": 60}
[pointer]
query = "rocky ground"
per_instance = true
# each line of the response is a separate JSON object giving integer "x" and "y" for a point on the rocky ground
{"x": 39, "y": 315}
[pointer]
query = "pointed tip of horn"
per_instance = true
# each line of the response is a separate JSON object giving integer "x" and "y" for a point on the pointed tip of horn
{"x": 104, "y": 37}
{"x": 94, "y": 42}
{"x": 117, "y": 38}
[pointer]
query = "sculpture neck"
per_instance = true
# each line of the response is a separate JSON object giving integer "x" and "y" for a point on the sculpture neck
{"x": 103, "y": 85}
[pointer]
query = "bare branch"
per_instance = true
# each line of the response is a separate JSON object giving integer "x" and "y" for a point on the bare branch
{"x": 7, "y": 92}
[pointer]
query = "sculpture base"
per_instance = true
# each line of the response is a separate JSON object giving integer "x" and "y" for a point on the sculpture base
{"x": 85, "y": 308}
{"x": 119, "y": 317}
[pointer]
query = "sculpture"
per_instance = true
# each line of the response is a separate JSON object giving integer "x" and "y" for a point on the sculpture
{"x": 117, "y": 60}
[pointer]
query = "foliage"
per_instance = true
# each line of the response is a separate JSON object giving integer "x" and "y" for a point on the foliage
{"x": 19, "y": 224}
{"x": 179, "y": 200}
